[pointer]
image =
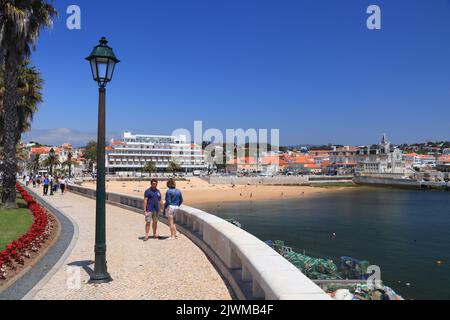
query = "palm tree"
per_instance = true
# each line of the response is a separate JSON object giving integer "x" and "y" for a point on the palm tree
{"x": 51, "y": 162}
{"x": 90, "y": 153}
{"x": 34, "y": 165}
{"x": 150, "y": 168}
{"x": 20, "y": 25}
{"x": 59, "y": 172}
{"x": 29, "y": 96}
{"x": 173, "y": 167}
{"x": 69, "y": 163}
{"x": 22, "y": 157}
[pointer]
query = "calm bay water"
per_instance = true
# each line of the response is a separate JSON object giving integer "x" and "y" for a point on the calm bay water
{"x": 404, "y": 232}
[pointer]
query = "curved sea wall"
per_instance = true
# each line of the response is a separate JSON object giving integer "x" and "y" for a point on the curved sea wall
{"x": 251, "y": 267}
{"x": 401, "y": 183}
{"x": 387, "y": 182}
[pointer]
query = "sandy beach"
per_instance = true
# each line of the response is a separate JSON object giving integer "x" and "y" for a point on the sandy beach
{"x": 198, "y": 191}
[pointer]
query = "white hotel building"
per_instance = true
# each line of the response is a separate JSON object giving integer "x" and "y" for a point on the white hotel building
{"x": 133, "y": 152}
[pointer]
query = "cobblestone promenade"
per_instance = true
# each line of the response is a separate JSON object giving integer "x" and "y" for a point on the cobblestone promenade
{"x": 153, "y": 270}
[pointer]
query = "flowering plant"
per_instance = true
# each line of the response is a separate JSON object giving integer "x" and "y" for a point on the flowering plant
{"x": 17, "y": 251}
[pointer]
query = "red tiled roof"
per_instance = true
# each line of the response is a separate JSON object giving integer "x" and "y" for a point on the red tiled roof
{"x": 319, "y": 151}
{"x": 298, "y": 159}
{"x": 43, "y": 150}
{"x": 268, "y": 160}
{"x": 325, "y": 163}
{"x": 118, "y": 143}
{"x": 445, "y": 159}
{"x": 243, "y": 161}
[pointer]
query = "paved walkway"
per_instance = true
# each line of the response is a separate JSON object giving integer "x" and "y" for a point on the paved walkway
{"x": 153, "y": 270}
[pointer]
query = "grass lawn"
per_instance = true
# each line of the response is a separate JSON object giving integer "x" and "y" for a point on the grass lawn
{"x": 14, "y": 223}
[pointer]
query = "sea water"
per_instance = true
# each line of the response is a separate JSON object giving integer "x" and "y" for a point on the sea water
{"x": 405, "y": 232}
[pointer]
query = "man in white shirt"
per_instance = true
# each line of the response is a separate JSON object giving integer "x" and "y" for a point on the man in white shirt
{"x": 63, "y": 183}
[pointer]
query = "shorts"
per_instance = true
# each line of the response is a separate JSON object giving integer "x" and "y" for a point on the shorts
{"x": 171, "y": 211}
{"x": 153, "y": 216}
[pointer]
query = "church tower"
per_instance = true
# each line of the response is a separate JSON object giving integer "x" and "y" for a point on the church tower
{"x": 385, "y": 145}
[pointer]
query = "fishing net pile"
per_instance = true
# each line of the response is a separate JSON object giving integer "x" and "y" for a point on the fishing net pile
{"x": 349, "y": 269}
{"x": 313, "y": 268}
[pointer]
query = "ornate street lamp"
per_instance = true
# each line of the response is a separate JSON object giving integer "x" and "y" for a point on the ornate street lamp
{"x": 52, "y": 159}
{"x": 103, "y": 62}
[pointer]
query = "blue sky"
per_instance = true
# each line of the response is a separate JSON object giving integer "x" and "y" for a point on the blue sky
{"x": 310, "y": 68}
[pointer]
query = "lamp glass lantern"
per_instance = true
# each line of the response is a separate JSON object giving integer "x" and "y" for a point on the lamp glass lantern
{"x": 103, "y": 62}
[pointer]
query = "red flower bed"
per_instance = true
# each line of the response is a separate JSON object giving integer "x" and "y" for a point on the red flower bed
{"x": 17, "y": 251}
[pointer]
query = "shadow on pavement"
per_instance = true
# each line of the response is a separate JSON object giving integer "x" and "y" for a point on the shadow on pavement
{"x": 159, "y": 238}
{"x": 85, "y": 265}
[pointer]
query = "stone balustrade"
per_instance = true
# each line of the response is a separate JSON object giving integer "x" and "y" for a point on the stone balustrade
{"x": 251, "y": 267}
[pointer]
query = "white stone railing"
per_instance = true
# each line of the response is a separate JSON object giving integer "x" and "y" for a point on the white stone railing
{"x": 251, "y": 267}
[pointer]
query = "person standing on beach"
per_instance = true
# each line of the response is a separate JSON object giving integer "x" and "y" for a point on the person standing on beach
{"x": 152, "y": 207}
{"x": 174, "y": 199}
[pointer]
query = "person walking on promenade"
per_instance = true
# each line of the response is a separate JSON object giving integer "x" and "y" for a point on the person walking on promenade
{"x": 46, "y": 183}
{"x": 56, "y": 184}
{"x": 174, "y": 199}
{"x": 27, "y": 181}
{"x": 152, "y": 207}
{"x": 50, "y": 181}
{"x": 63, "y": 183}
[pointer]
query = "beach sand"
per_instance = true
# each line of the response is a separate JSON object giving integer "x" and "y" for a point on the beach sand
{"x": 197, "y": 191}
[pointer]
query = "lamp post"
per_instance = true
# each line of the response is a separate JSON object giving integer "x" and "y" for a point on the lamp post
{"x": 103, "y": 62}
{"x": 52, "y": 159}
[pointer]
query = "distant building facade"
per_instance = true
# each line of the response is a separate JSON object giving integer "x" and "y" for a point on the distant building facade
{"x": 134, "y": 152}
{"x": 343, "y": 161}
{"x": 443, "y": 163}
{"x": 381, "y": 159}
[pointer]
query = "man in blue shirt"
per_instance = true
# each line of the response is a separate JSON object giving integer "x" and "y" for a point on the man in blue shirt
{"x": 152, "y": 207}
{"x": 46, "y": 184}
